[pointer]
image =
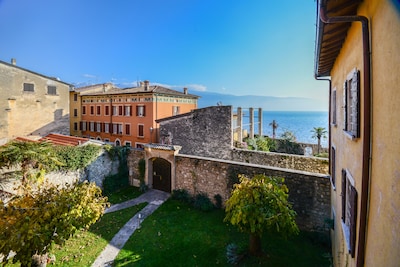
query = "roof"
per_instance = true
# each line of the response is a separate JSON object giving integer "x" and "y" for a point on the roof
{"x": 64, "y": 140}
{"x": 330, "y": 37}
{"x": 35, "y": 73}
{"x": 154, "y": 89}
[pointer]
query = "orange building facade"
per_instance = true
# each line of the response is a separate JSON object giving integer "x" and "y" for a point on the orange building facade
{"x": 126, "y": 117}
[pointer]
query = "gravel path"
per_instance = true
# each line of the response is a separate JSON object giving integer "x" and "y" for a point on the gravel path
{"x": 155, "y": 198}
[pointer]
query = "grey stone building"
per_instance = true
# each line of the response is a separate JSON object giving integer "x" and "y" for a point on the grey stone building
{"x": 31, "y": 103}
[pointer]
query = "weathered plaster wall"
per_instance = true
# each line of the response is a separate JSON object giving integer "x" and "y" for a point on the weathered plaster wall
{"x": 24, "y": 113}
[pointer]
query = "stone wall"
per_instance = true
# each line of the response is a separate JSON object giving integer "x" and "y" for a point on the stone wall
{"x": 101, "y": 167}
{"x": 134, "y": 155}
{"x": 205, "y": 132}
{"x": 281, "y": 160}
{"x": 308, "y": 192}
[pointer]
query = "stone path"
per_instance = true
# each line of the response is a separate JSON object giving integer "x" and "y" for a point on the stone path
{"x": 155, "y": 198}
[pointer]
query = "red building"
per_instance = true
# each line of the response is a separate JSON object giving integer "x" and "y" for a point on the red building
{"x": 125, "y": 116}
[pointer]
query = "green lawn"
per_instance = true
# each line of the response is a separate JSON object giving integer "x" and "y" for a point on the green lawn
{"x": 178, "y": 235}
{"x": 123, "y": 194}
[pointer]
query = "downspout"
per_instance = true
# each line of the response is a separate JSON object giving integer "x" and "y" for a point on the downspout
{"x": 329, "y": 119}
{"x": 367, "y": 124}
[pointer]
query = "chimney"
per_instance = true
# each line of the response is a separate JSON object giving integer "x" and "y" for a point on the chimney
{"x": 14, "y": 61}
{"x": 146, "y": 85}
{"x": 185, "y": 90}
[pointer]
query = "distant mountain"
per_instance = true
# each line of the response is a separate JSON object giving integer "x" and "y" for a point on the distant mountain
{"x": 264, "y": 102}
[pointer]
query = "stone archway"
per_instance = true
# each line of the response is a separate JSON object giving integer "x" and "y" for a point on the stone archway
{"x": 160, "y": 166}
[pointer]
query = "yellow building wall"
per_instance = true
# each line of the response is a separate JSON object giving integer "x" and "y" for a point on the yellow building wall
{"x": 383, "y": 236}
{"x": 383, "y": 226}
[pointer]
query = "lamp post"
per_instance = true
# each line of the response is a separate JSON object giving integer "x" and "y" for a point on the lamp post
{"x": 151, "y": 135}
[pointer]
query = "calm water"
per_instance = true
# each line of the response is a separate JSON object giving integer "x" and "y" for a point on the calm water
{"x": 301, "y": 123}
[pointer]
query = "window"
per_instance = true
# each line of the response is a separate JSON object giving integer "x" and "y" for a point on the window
{"x": 140, "y": 130}
{"x": 349, "y": 211}
{"x": 175, "y": 110}
{"x": 334, "y": 107}
{"x": 115, "y": 128}
{"x": 91, "y": 124}
{"x": 107, "y": 110}
{"x": 83, "y": 110}
{"x": 114, "y": 111}
{"x": 128, "y": 144}
{"x": 29, "y": 87}
{"x": 75, "y": 112}
{"x": 51, "y": 90}
{"x": 127, "y": 129}
{"x": 98, "y": 113}
{"x": 120, "y": 110}
{"x": 75, "y": 97}
{"x": 333, "y": 167}
{"x": 91, "y": 110}
{"x": 351, "y": 104}
{"x": 117, "y": 143}
{"x": 98, "y": 127}
{"x": 75, "y": 126}
{"x": 140, "y": 111}
{"x": 119, "y": 128}
{"x": 83, "y": 125}
{"x": 127, "y": 111}
{"x": 106, "y": 127}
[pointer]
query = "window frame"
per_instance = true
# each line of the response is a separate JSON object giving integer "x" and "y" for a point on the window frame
{"x": 349, "y": 211}
{"x": 334, "y": 107}
{"x": 28, "y": 88}
{"x": 140, "y": 131}
{"x": 351, "y": 105}
{"x": 50, "y": 90}
{"x": 333, "y": 175}
{"x": 140, "y": 110}
{"x": 83, "y": 110}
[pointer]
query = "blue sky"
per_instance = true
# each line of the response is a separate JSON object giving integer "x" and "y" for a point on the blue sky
{"x": 258, "y": 47}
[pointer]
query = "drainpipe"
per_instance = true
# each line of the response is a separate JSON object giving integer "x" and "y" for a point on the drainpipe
{"x": 329, "y": 119}
{"x": 367, "y": 123}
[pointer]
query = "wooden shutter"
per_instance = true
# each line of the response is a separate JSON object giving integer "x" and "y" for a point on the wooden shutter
{"x": 333, "y": 166}
{"x": 353, "y": 220}
{"x": 355, "y": 103}
{"x": 343, "y": 195}
{"x": 345, "y": 106}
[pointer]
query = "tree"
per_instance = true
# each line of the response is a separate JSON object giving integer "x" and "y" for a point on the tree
{"x": 32, "y": 222}
{"x": 261, "y": 204}
{"x": 318, "y": 133}
{"x": 33, "y": 158}
{"x": 274, "y": 126}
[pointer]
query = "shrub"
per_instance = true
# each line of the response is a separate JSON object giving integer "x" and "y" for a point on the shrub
{"x": 202, "y": 202}
{"x": 181, "y": 195}
{"x": 218, "y": 201}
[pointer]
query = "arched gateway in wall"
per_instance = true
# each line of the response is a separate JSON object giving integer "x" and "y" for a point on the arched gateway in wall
{"x": 160, "y": 166}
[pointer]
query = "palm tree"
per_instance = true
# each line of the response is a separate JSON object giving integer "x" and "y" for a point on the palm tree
{"x": 27, "y": 156}
{"x": 318, "y": 133}
{"x": 274, "y": 126}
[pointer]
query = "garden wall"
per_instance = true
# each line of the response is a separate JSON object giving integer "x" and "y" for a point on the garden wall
{"x": 281, "y": 160}
{"x": 309, "y": 193}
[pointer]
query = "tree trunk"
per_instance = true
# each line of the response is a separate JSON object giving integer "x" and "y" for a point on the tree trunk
{"x": 255, "y": 245}
{"x": 319, "y": 144}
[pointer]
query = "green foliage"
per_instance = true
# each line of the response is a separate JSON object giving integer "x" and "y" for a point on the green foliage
{"x": 261, "y": 204}
{"x": 33, "y": 158}
{"x": 32, "y": 222}
{"x": 181, "y": 195}
{"x": 289, "y": 136}
{"x": 142, "y": 169}
{"x": 259, "y": 143}
{"x": 75, "y": 157}
{"x": 218, "y": 201}
{"x": 202, "y": 202}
